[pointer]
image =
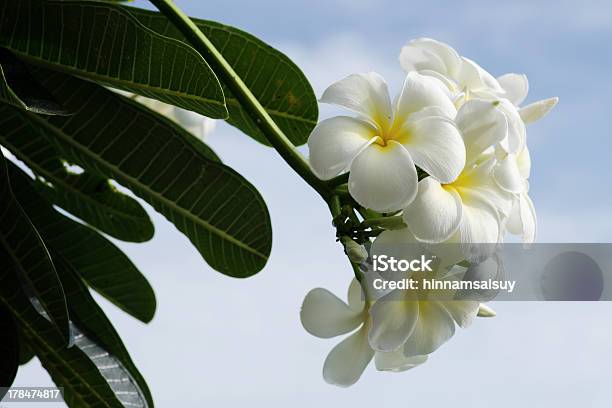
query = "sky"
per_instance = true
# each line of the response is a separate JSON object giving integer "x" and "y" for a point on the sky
{"x": 218, "y": 341}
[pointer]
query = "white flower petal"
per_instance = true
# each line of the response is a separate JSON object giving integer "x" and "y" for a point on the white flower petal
{"x": 481, "y": 125}
{"x": 395, "y": 361}
{"x": 484, "y": 270}
{"x": 435, "y": 144}
{"x": 462, "y": 311}
{"x": 449, "y": 83}
{"x": 449, "y": 252}
{"x": 473, "y": 77}
{"x": 324, "y": 315}
{"x": 421, "y": 91}
{"x": 516, "y": 87}
{"x": 508, "y": 176}
{"x": 528, "y": 219}
{"x": 431, "y": 55}
{"x": 435, "y": 213}
{"x": 346, "y": 362}
{"x": 400, "y": 244}
{"x": 537, "y": 110}
{"x": 515, "y": 139}
{"x": 478, "y": 184}
{"x": 394, "y": 317}
{"x": 366, "y": 94}
{"x": 479, "y": 228}
{"x": 335, "y": 142}
{"x": 355, "y": 296}
{"x": 383, "y": 178}
{"x": 513, "y": 223}
{"x": 433, "y": 328}
{"x": 523, "y": 161}
{"x": 486, "y": 311}
{"x": 391, "y": 238}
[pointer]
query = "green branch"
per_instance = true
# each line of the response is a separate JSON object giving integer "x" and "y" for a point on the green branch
{"x": 241, "y": 92}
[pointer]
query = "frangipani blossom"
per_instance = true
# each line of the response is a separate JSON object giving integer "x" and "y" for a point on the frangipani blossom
{"x": 463, "y": 77}
{"x": 416, "y": 321}
{"x": 324, "y": 315}
{"x": 471, "y": 208}
{"x": 467, "y": 131}
{"x": 383, "y": 143}
{"x": 467, "y": 80}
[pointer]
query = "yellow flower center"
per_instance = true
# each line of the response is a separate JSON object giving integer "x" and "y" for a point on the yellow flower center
{"x": 397, "y": 132}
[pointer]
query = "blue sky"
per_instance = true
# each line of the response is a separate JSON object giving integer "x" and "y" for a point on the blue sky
{"x": 223, "y": 342}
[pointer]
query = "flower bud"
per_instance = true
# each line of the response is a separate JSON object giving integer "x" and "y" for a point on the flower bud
{"x": 355, "y": 252}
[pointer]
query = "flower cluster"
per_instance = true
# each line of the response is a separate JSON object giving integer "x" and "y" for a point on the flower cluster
{"x": 449, "y": 155}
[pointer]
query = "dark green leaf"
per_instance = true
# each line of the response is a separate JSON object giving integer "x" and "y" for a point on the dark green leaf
{"x": 222, "y": 214}
{"x": 100, "y": 263}
{"x": 23, "y": 253}
{"x": 71, "y": 368}
{"x": 88, "y": 316}
{"x": 9, "y": 350}
{"x": 94, "y": 200}
{"x": 26, "y": 354}
{"x": 19, "y": 88}
{"x": 274, "y": 79}
{"x": 104, "y": 43}
{"x": 86, "y": 196}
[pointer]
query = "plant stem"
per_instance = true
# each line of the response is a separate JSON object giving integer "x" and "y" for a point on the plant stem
{"x": 256, "y": 111}
{"x": 376, "y": 222}
{"x": 338, "y": 180}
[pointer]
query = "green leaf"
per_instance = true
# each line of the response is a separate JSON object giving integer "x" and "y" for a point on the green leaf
{"x": 104, "y": 43}
{"x": 26, "y": 354}
{"x": 97, "y": 260}
{"x": 70, "y": 368}
{"x": 222, "y": 214}
{"x": 86, "y": 196}
{"x": 94, "y": 200}
{"x": 9, "y": 350}
{"x": 96, "y": 327}
{"x": 277, "y": 83}
{"x": 20, "y": 89}
{"x": 23, "y": 253}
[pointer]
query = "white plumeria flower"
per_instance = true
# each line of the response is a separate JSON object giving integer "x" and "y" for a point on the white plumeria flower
{"x": 471, "y": 208}
{"x": 516, "y": 88}
{"x": 324, "y": 315}
{"x": 416, "y": 321}
{"x": 466, "y": 80}
{"x": 463, "y": 77}
{"x": 381, "y": 146}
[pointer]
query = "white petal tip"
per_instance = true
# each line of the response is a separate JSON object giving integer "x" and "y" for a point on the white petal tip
{"x": 486, "y": 311}
{"x": 537, "y": 110}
